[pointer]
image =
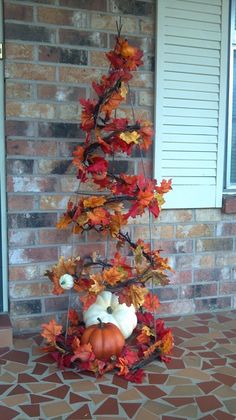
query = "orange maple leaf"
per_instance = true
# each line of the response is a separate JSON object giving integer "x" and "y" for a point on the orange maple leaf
{"x": 112, "y": 276}
{"x": 112, "y": 103}
{"x": 97, "y": 285}
{"x": 145, "y": 197}
{"x": 151, "y": 302}
{"x": 117, "y": 221}
{"x": 51, "y": 331}
{"x": 99, "y": 216}
{"x": 122, "y": 364}
{"x": 84, "y": 352}
{"x": 73, "y": 316}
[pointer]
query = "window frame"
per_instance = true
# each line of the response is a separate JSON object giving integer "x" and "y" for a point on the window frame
{"x": 229, "y": 186}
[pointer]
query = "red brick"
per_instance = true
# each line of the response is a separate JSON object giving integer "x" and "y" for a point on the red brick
{"x": 20, "y": 128}
{"x": 29, "y": 255}
{"x": 99, "y": 5}
{"x": 31, "y": 184}
{"x": 31, "y": 148}
{"x": 229, "y": 204}
{"x": 56, "y": 304}
{"x": 21, "y": 202}
{"x": 214, "y": 244}
{"x": 55, "y": 16}
{"x": 60, "y": 93}
{"x": 55, "y": 236}
{"x": 174, "y": 247}
{"x": 227, "y": 288}
{"x": 18, "y": 90}
{"x": 83, "y": 38}
{"x": 212, "y": 304}
{"x": 198, "y": 290}
{"x": 29, "y": 33}
{"x": 19, "y": 51}
{"x": 22, "y": 273}
{"x": 21, "y": 237}
{"x": 180, "y": 277}
{"x": 30, "y": 71}
{"x": 18, "y": 12}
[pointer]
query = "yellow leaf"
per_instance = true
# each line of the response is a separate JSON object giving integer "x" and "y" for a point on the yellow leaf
{"x": 128, "y": 137}
{"x": 94, "y": 201}
{"x": 123, "y": 90}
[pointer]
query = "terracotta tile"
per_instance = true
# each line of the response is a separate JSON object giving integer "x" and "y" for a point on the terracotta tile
{"x": 208, "y": 403}
{"x": 119, "y": 381}
{"x": 154, "y": 378}
{"x": 219, "y": 361}
{"x": 106, "y": 389}
{"x": 225, "y": 379}
{"x": 206, "y": 366}
{"x": 59, "y": 392}
{"x": 4, "y": 350}
{"x": 8, "y": 413}
{"x": 39, "y": 369}
{"x": 172, "y": 418}
{"x": 37, "y": 399}
{"x": 207, "y": 417}
{"x": 4, "y": 388}
{"x": 175, "y": 364}
{"x": 231, "y": 405}
{"x": 18, "y": 390}
{"x": 151, "y": 391}
{"x": 110, "y": 406}
{"x": 177, "y": 352}
{"x": 24, "y": 378}
{"x": 52, "y": 378}
{"x": 46, "y": 358}
{"x": 17, "y": 356}
{"x": 70, "y": 375}
{"x": 209, "y": 386}
{"x": 110, "y": 418}
{"x": 211, "y": 345}
{"x": 178, "y": 402}
{"x": 15, "y": 400}
{"x": 75, "y": 398}
{"x": 209, "y": 354}
{"x": 222, "y": 340}
{"x": 81, "y": 413}
{"x": 222, "y": 415}
{"x": 199, "y": 330}
{"x": 56, "y": 408}
{"x": 131, "y": 408}
{"x": 179, "y": 332}
{"x": 31, "y": 410}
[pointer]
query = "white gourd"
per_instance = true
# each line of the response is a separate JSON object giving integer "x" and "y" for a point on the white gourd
{"x": 108, "y": 309}
{"x": 66, "y": 281}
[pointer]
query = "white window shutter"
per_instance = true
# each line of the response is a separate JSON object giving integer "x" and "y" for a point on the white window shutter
{"x": 191, "y": 93}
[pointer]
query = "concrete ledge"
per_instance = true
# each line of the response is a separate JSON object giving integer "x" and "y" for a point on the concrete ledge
{"x": 6, "y": 332}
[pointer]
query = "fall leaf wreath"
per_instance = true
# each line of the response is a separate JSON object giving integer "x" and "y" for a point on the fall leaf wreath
{"x": 118, "y": 330}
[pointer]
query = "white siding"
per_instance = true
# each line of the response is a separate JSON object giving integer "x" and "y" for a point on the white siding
{"x": 191, "y": 83}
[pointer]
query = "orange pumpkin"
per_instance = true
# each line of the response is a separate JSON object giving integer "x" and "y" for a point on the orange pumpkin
{"x": 105, "y": 338}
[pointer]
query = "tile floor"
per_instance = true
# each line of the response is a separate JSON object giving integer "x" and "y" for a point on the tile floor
{"x": 199, "y": 382}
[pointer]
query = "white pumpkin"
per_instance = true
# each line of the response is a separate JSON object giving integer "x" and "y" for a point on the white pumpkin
{"x": 108, "y": 309}
{"x": 66, "y": 281}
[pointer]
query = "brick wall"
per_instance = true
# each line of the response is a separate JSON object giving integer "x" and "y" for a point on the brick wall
{"x": 54, "y": 49}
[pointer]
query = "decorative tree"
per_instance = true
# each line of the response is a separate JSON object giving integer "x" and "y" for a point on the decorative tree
{"x": 112, "y": 290}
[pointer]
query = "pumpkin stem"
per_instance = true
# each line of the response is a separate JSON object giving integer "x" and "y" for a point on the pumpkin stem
{"x": 100, "y": 325}
{"x": 109, "y": 310}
